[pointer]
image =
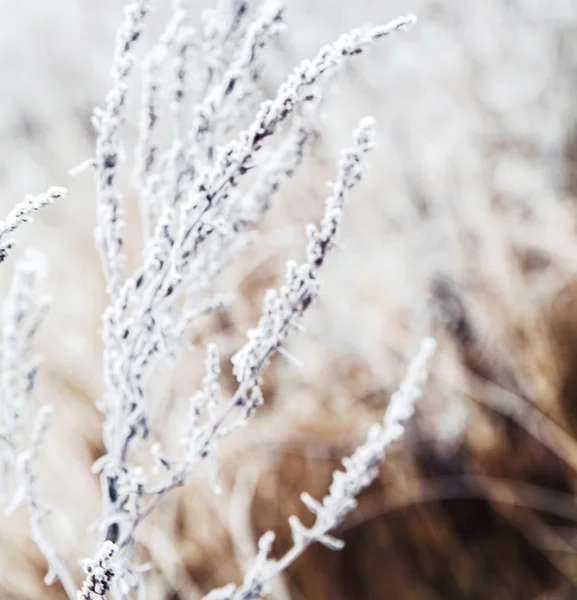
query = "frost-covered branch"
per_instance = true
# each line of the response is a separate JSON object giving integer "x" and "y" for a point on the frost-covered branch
{"x": 109, "y": 152}
{"x": 181, "y": 258}
{"x": 146, "y": 316}
{"x": 21, "y": 214}
{"x": 22, "y": 314}
{"x": 27, "y": 497}
{"x": 211, "y": 419}
{"x": 360, "y": 470}
{"x": 198, "y": 209}
{"x": 99, "y": 573}
{"x": 278, "y": 168}
{"x": 208, "y": 116}
{"x": 203, "y": 224}
{"x": 176, "y": 42}
{"x": 213, "y": 186}
{"x": 20, "y": 443}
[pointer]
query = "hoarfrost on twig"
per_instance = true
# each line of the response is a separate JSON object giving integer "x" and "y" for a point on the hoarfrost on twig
{"x": 360, "y": 470}
{"x": 209, "y": 419}
{"x": 20, "y": 442}
{"x": 194, "y": 223}
{"x": 109, "y": 152}
{"x": 21, "y": 214}
{"x": 141, "y": 324}
{"x": 99, "y": 573}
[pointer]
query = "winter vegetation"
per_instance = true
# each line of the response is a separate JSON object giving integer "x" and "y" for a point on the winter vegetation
{"x": 196, "y": 218}
{"x": 206, "y": 355}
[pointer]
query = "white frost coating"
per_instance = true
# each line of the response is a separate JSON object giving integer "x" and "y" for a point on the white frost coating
{"x": 196, "y": 219}
{"x": 21, "y": 214}
{"x": 360, "y": 470}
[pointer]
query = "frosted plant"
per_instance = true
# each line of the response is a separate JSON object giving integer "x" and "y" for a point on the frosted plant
{"x": 198, "y": 210}
{"x": 360, "y": 470}
{"x": 107, "y": 122}
{"x": 195, "y": 239}
{"x": 21, "y": 214}
{"x": 99, "y": 573}
{"x": 21, "y": 432}
{"x": 210, "y": 418}
{"x": 283, "y": 310}
{"x": 21, "y": 316}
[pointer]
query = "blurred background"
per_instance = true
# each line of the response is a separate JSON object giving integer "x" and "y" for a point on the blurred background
{"x": 464, "y": 228}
